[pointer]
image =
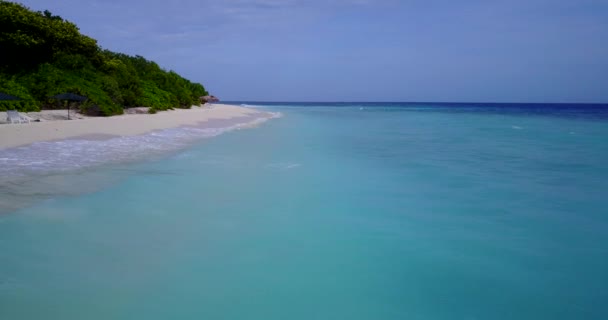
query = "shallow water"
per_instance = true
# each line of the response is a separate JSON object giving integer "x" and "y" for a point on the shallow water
{"x": 54, "y": 168}
{"x": 359, "y": 212}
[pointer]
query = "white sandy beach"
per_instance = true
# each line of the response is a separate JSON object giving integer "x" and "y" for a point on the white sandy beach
{"x": 14, "y": 135}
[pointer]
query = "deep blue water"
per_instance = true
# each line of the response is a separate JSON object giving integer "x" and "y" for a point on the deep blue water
{"x": 568, "y": 110}
{"x": 337, "y": 211}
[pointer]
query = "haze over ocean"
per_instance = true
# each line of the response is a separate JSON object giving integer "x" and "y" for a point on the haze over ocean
{"x": 348, "y": 211}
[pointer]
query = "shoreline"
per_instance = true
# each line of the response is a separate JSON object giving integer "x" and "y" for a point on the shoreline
{"x": 103, "y": 128}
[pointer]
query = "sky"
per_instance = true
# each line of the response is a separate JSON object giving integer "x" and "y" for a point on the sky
{"x": 363, "y": 50}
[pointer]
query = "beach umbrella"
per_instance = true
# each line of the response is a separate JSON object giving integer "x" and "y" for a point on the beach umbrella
{"x": 8, "y": 97}
{"x": 69, "y": 97}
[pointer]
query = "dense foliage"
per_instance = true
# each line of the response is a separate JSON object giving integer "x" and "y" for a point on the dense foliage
{"x": 42, "y": 55}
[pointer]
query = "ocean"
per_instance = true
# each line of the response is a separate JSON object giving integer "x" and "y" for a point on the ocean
{"x": 330, "y": 211}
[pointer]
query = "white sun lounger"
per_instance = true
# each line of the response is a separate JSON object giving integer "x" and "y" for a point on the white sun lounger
{"x": 12, "y": 116}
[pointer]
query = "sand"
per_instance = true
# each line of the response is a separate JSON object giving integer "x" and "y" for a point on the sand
{"x": 14, "y": 135}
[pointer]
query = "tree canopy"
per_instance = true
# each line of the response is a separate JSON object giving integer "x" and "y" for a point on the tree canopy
{"x": 42, "y": 55}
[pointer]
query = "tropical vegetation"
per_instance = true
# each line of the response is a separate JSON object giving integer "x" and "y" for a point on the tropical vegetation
{"x": 42, "y": 55}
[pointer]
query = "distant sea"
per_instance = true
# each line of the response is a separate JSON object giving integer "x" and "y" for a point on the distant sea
{"x": 331, "y": 211}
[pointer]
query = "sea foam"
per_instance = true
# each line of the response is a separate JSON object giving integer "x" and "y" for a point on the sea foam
{"x": 79, "y": 153}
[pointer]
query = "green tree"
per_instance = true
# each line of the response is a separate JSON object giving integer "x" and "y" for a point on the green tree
{"x": 43, "y": 55}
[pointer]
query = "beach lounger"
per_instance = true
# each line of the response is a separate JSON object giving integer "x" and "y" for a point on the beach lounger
{"x": 12, "y": 116}
{"x": 25, "y": 119}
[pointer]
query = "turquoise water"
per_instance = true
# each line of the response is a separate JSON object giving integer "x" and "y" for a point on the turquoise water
{"x": 326, "y": 213}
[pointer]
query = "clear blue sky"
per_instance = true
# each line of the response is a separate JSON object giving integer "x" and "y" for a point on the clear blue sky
{"x": 363, "y": 50}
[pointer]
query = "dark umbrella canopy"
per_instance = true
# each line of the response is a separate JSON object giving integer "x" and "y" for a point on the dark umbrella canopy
{"x": 8, "y": 97}
{"x": 68, "y": 96}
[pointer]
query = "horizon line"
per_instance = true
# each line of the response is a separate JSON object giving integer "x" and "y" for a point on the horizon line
{"x": 420, "y": 102}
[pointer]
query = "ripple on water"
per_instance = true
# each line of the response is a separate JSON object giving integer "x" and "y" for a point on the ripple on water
{"x": 45, "y": 169}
